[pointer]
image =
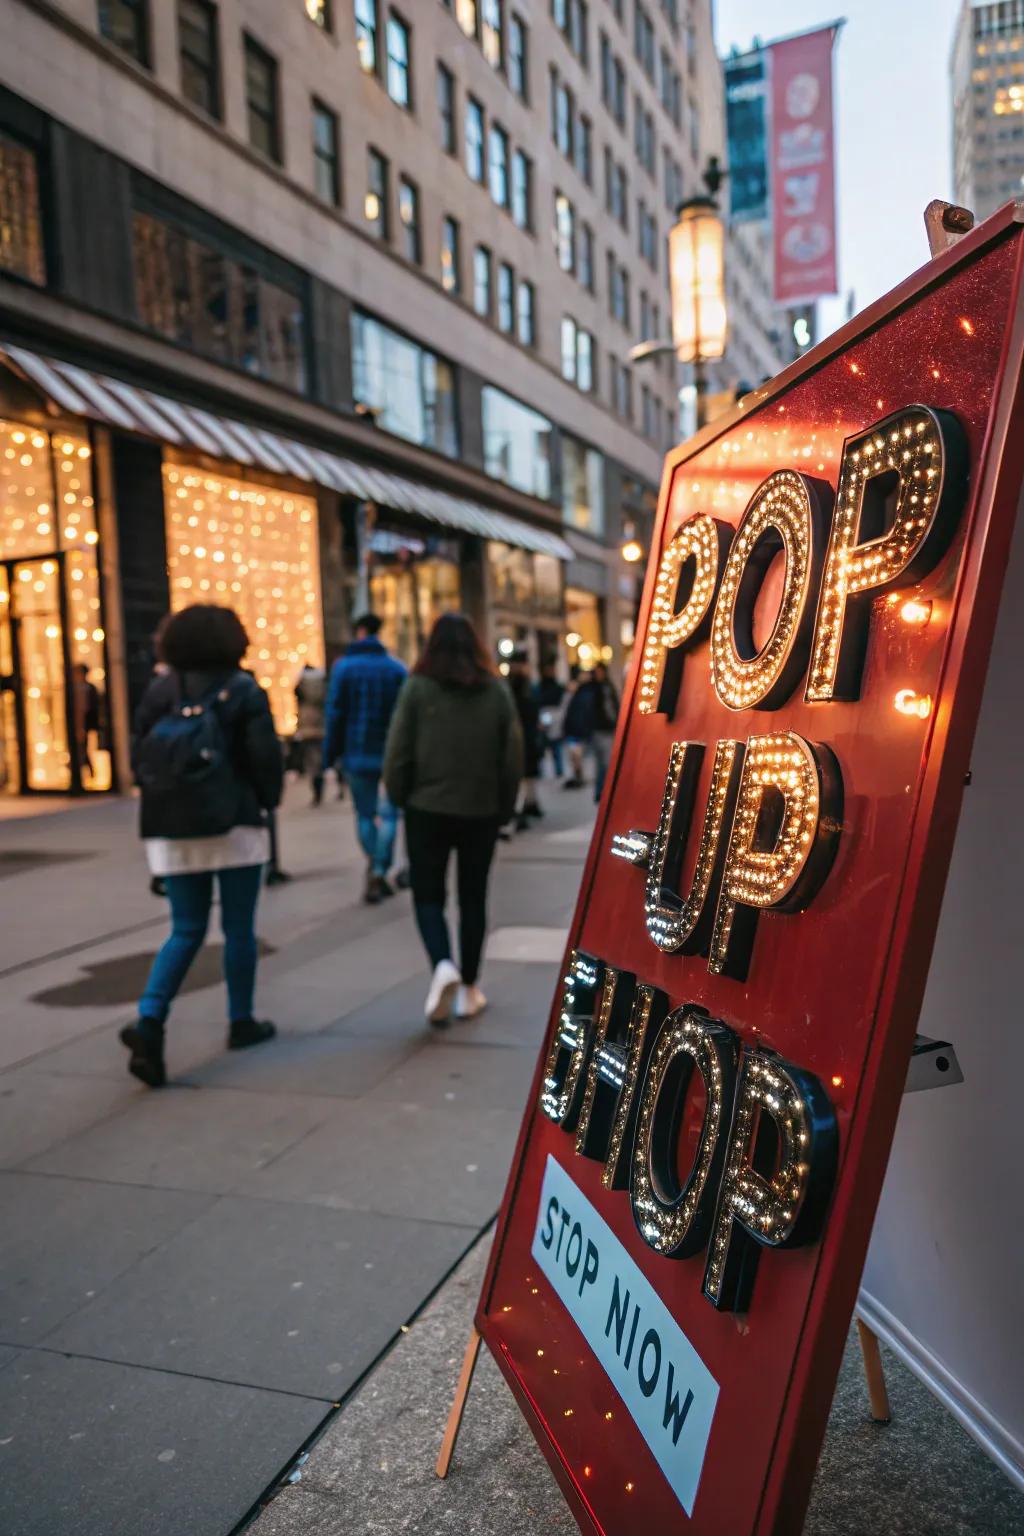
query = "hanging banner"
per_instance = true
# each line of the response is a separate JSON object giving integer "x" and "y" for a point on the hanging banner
{"x": 684, "y": 1230}
{"x": 802, "y": 167}
{"x": 747, "y": 136}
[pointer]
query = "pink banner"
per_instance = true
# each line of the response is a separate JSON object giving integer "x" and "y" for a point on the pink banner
{"x": 802, "y": 167}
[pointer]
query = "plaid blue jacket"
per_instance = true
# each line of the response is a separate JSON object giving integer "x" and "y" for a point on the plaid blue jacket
{"x": 361, "y": 699}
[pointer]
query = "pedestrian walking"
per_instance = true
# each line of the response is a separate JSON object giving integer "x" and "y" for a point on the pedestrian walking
{"x": 550, "y": 696}
{"x": 209, "y": 765}
{"x": 597, "y": 705}
{"x": 576, "y": 730}
{"x": 311, "y": 701}
{"x": 454, "y": 760}
{"x": 525, "y": 699}
{"x": 85, "y": 698}
{"x": 361, "y": 699}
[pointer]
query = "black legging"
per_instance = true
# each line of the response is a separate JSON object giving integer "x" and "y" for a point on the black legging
{"x": 429, "y": 839}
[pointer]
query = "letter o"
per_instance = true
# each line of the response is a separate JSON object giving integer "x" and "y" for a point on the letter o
{"x": 787, "y": 512}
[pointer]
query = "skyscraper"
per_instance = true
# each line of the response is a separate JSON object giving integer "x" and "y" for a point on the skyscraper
{"x": 987, "y": 79}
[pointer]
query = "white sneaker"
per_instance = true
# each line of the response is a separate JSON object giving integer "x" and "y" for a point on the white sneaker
{"x": 446, "y": 982}
{"x": 469, "y": 1001}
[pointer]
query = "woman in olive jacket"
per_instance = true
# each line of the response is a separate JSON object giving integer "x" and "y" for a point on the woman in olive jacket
{"x": 453, "y": 763}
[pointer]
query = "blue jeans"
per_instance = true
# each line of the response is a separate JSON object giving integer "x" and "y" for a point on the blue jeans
{"x": 376, "y": 820}
{"x": 191, "y": 897}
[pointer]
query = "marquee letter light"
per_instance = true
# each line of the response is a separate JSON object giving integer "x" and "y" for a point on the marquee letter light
{"x": 781, "y": 1164}
{"x": 676, "y": 923}
{"x": 562, "y": 1085}
{"x": 675, "y": 1216}
{"x": 789, "y": 512}
{"x": 901, "y": 490}
{"x": 621, "y": 1041}
{"x": 699, "y": 546}
{"x": 784, "y": 834}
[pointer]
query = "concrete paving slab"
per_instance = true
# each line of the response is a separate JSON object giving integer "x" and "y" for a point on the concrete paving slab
{"x": 40, "y": 1109}
{"x": 532, "y": 945}
{"x": 66, "y": 1240}
{"x": 443, "y": 1072}
{"x": 184, "y": 1138}
{"x": 519, "y": 1000}
{"x": 88, "y": 1448}
{"x": 446, "y": 1164}
{"x": 328, "y": 1065}
{"x": 8, "y": 1355}
{"x": 288, "y": 1297}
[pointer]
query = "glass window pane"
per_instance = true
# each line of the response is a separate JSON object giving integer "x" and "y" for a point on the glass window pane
{"x": 366, "y": 34}
{"x": 499, "y": 166}
{"x": 21, "y": 227}
{"x": 451, "y": 276}
{"x": 568, "y": 348}
{"x": 411, "y": 391}
{"x": 474, "y": 139}
{"x": 482, "y": 280}
{"x": 398, "y": 60}
{"x": 526, "y": 325}
{"x": 506, "y": 300}
{"x": 517, "y": 443}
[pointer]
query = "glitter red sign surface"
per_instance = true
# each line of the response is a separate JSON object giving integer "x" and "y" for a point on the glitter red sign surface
{"x": 693, "y": 1191}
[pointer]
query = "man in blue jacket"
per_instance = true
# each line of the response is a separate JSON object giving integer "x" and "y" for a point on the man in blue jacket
{"x": 361, "y": 699}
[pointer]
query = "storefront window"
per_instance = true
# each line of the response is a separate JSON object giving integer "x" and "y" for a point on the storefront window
{"x": 21, "y": 225}
{"x": 584, "y": 639}
{"x": 517, "y": 443}
{"x": 53, "y": 718}
{"x": 512, "y": 577}
{"x": 254, "y": 548}
{"x": 411, "y": 390}
{"x": 582, "y": 486}
{"x": 413, "y": 580}
{"x": 198, "y": 296}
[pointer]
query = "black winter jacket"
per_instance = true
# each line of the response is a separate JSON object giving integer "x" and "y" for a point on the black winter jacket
{"x": 249, "y": 730}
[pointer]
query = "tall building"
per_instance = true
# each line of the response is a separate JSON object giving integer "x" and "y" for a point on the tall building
{"x": 987, "y": 79}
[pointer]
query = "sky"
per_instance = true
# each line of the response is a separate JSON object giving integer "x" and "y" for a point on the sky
{"x": 892, "y": 125}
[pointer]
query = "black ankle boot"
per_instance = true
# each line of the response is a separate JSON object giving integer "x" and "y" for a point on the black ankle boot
{"x": 145, "y": 1041}
{"x": 246, "y": 1032}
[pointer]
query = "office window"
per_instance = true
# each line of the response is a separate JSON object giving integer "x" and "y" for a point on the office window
{"x": 375, "y": 205}
{"x": 498, "y": 165}
{"x": 643, "y": 39}
{"x": 526, "y": 326}
{"x": 585, "y": 150}
{"x": 409, "y": 218}
{"x": 517, "y": 443}
{"x": 606, "y": 70}
{"x": 411, "y": 390}
{"x": 474, "y": 139}
{"x": 22, "y": 252}
{"x": 125, "y": 23}
{"x": 199, "y": 54}
{"x": 569, "y": 349}
{"x": 466, "y": 16}
{"x": 582, "y": 486}
{"x": 586, "y": 257}
{"x": 491, "y": 38}
{"x": 621, "y": 201}
{"x": 261, "y": 100}
{"x": 398, "y": 61}
{"x": 325, "y": 153}
{"x": 571, "y": 18}
{"x": 623, "y": 392}
{"x": 564, "y": 111}
{"x": 482, "y": 281}
{"x": 451, "y": 261}
{"x": 518, "y": 63}
{"x": 446, "y": 108}
{"x": 506, "y": 298}
{"x": 522, "y": 190}
{"x": 645, "y": 317}
{"x": 584, "y": 361}
{"x": 366, "y": 34}
{"x": 565, "y": 232}
{"x": 321, "y": 12}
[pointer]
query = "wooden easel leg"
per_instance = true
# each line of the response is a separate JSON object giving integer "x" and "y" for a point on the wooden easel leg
{"x": 874, "y": 1374}
{"x": 451, "y": 1432}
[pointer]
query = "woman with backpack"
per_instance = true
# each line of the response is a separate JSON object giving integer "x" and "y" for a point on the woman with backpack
{"x": 453, "y": 762}
{"x": 210, "y": 769}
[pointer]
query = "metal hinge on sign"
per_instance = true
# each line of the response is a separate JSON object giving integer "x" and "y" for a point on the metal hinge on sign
{"x": 933, "y": 1064}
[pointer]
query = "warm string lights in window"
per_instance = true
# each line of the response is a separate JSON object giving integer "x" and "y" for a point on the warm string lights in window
{"x": 253, "y": 548}
{"x": 674, "y": 1219}
{"x": 700, "y": 542}
{"x": 563, "y": 1070}
{"x": 786, "y": 511}
{"x": 613, "y": 1072}
{"x": 674, "y": 922}
{"x": 774, "y": 1189}
{"x": 783, "y": 837}
{"x": 922, "y": 451}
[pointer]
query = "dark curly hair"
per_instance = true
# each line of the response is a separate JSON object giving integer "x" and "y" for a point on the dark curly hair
{"x": 202, "y": 638}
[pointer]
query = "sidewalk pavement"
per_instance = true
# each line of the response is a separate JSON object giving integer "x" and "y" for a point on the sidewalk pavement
{"x": 191, "y": 1279}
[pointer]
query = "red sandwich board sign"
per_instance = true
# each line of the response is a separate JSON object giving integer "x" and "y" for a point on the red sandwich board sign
{"x": 692, "y": 1194}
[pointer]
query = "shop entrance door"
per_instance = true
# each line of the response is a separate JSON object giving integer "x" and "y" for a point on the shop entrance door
{"x": 35, "y": 753}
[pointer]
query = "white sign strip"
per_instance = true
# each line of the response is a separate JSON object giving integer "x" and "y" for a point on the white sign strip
{"x": 666, "y": 1387}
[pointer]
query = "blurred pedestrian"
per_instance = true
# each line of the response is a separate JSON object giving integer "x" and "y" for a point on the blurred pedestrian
{"x": 85, "y": 699}
{"x": 550, "y": 696}
{"x": 311, "y": 700}
{"x": 361, "y": 699}
{"x": 454, "y": 759}
{"x": 576, "y": 728}
{"x": 210, "y": 769}
{"x": 597, "y": 706}
{"x": 528, "y": 710}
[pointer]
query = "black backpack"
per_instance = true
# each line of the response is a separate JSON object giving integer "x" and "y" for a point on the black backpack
{"x": 184, "y": 767}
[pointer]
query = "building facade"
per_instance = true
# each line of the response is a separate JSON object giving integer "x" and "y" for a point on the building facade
{"x": 987, "y": 82}
{"x": 324, "y": 302}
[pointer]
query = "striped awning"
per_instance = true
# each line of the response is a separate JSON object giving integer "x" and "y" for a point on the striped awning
{"x": 83, "y": 393}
